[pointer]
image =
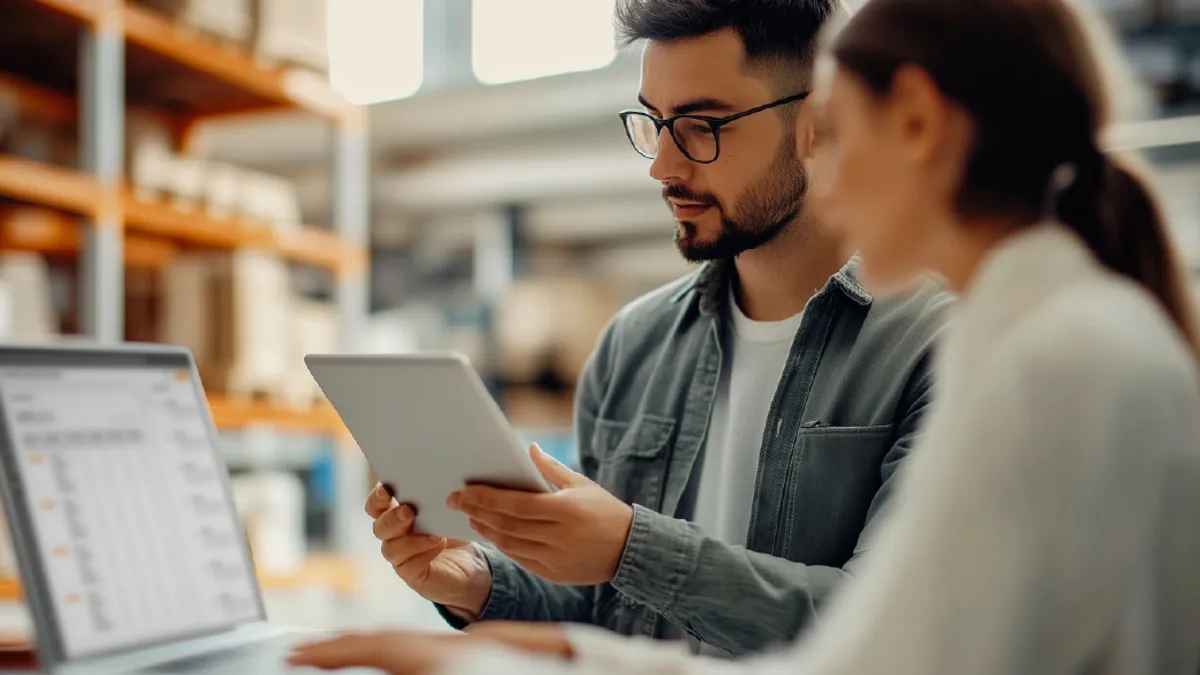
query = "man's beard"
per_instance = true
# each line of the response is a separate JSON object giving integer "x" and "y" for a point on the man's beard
{"x": 765, "y": 210}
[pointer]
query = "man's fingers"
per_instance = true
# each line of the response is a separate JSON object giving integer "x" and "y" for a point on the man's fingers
{"x": 379, "y": 501}
{"x": 395, "y": 522}
{"x": 403, "y": 549}
{"x": 416, "y": 569}
{"x": 553, "y": 470}
{"x": 479, "y": 498}
{"x": 509, "y": 543}
{"x": 531, "y": 530}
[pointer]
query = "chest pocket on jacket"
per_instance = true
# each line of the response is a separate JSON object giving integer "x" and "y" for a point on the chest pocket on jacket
{"x": 834, "y": 474}
{"x": 632, "y": 457}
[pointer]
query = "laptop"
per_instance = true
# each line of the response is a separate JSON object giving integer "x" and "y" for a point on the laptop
{"x": 131, "y": 553}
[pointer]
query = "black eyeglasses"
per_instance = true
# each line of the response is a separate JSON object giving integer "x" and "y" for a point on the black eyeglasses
{"x": 698, "y": 136}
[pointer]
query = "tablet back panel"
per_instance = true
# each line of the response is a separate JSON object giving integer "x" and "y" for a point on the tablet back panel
{"x": 428, "y": 426}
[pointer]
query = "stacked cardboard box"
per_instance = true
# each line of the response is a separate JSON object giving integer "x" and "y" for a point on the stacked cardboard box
{"x": 220, "y": 190}
{"x": 238, "y": 315}
{"x": 287, "y": 32}
{"x": 27, "y": 311}
{"x": 293, "y": 32}
{"x": 226, "y": 20}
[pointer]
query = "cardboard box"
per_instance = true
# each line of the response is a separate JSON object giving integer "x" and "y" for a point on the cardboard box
{"x": 228, "y": 20}
{"x": 551, "y": 324}
{"x": 232, "y": 310}
{"x": 268, "y": 199}
{"x": 142, "y": 294}
{"x": 31, "y": 315}
{"x": 293, "y": 32}
{"x": 313, "y": 329}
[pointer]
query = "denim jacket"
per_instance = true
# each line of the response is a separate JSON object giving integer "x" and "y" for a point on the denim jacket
{"x": 845, "y": 414}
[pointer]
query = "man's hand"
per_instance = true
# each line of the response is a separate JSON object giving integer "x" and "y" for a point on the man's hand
{"x": 575, "y": 536}
{"x": 416, "y": 653}
{"x": 449, "y": 572}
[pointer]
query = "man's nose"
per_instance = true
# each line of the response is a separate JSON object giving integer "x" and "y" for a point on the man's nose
{"x": 670, "y": 164}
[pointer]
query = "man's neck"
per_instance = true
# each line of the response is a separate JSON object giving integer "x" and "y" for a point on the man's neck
{"x": 775, "y": 281}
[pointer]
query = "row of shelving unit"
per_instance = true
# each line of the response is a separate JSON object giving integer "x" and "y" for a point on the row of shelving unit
{"x": 236, "y": 83}
{"x": 150, "y": 232}
{"x": 154, "y": 230}
{"x": 86, "y": 64}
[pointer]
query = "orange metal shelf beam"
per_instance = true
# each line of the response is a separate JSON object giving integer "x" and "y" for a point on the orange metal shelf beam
{"x": 164, "y": 220}
{"x": 62, "y": 237}
{"x": 10, "y": 589}
{"x": 340, "y": 574}
{"x": 232, "y": 415}
{"x": 74, "y": 192}
{"x": 307, "y": 244}
{"x": 87, "y": 11}
{"x": 49, "y": 185}
{"x": 40, "y": 101}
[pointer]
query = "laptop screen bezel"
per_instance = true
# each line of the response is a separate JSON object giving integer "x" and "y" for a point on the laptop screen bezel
{"x": 51, "y": 643}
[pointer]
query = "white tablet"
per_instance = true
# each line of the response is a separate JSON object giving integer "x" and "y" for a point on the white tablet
{"x": 428, "y": 426}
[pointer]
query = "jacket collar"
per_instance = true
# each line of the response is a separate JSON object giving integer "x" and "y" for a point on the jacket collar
{"x": 711, "y": 283}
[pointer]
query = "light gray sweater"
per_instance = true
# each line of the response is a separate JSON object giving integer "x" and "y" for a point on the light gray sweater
{"x": 1048, "y": 522}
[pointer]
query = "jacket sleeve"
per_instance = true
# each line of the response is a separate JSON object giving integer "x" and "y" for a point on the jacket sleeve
{"x": 520, "y": 595}
{"x": 672, "y": 567}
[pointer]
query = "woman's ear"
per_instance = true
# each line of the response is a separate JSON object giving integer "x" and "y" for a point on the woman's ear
{"x": 924, "y": 118}
{"x": 806, "y": 133}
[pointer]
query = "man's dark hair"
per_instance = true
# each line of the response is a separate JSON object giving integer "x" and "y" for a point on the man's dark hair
{"x": 780, "y": 35}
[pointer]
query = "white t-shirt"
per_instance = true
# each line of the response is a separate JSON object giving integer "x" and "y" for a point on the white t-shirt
{"x": 755, "y": 354}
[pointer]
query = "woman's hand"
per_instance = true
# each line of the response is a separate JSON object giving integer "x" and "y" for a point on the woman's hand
{"x": 546, "y": 639}
{"x": 395, "y": 652}
{"x": 419, "y": 653}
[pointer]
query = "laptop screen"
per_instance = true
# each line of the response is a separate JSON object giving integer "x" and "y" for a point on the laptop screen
{"x": 131, "y": 517}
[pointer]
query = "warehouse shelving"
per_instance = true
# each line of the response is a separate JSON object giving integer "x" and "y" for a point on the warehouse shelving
{"x": 75, "y": 192}
{"x": 226, "y": 79}
{"x": 88, "y": 62}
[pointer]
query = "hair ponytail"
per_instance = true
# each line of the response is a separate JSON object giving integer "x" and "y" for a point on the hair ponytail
{"x": 1027, "y": 73}
{"x": 1111, "y": 207}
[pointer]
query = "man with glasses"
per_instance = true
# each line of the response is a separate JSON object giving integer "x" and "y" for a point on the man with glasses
{"x": 737, "y": 429}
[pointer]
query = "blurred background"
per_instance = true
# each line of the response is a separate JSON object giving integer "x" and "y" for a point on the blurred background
{"x": 259, "y": 179}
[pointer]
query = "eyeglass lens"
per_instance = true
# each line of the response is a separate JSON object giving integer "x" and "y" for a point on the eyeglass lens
{"x": 694, "y": 137}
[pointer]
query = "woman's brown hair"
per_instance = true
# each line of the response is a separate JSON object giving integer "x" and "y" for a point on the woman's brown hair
{"x": 1025, "y": 72}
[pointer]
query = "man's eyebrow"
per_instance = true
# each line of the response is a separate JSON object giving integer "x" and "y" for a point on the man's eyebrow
{"x": 693, "y": 106}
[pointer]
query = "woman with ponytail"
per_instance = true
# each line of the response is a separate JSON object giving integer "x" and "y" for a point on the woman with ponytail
{"x": 1047, "y": 524}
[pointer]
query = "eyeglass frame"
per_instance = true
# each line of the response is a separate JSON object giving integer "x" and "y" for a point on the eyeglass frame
{"x": 714, "y": 123}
